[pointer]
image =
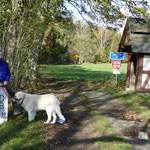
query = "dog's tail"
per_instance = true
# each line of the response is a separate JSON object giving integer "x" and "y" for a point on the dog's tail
{"x": 58, "y": 112}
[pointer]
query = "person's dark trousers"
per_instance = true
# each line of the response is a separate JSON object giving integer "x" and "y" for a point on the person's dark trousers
{"x": 12, "y": 95}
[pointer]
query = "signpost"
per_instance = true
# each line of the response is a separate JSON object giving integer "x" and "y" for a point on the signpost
{"x": 3, "y": 105}
{"x": 76, "y": 57}
{"x": 116, "y": 64}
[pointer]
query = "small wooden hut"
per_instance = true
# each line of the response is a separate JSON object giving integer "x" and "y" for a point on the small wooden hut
{"x": 136, "y": 42}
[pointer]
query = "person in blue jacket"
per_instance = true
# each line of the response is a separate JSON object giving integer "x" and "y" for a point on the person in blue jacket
{"x": 4, "y": 82}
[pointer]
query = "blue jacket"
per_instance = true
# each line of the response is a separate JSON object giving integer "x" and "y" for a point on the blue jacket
{"x": 4, "y": 71}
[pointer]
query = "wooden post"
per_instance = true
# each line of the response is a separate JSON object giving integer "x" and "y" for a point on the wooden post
{"x": 132, "y": 77}
{"x": 139, "y": 72}
{"x": 131, "y": 72}
{"x": 128, "y": 70}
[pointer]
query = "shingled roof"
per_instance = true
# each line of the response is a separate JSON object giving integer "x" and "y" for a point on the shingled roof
{"x": 136, "y": 36}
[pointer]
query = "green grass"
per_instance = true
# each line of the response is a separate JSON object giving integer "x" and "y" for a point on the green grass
{"x": 102, "y": 122}
{"x": 110, "y": 141}
{"x": 19, "y": 134}
{"x": 102, "y": 73}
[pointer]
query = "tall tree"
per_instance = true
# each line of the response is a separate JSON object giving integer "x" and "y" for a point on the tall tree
{"x": 93, "y": 45}
{"x": 23, "y": 22}
{"x": 21, "y": 34}
{"x": 109, "y": 11}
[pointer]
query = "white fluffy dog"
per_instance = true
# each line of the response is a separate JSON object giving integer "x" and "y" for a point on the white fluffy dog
{"x": 33, "y": 103}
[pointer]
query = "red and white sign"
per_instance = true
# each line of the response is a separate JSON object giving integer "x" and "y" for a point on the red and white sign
{"x": 116, "y": 64}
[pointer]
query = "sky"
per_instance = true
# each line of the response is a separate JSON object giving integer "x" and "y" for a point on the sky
{"x": 77, "y": 16}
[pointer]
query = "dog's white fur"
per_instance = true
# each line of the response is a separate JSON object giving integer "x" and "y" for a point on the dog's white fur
{"x": 33, "y": 103}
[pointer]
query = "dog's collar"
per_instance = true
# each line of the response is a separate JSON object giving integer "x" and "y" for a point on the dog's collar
{"x": 22, "y": 99}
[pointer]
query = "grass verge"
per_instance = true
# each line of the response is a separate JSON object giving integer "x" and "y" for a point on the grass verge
{"x": 19, "y": 134}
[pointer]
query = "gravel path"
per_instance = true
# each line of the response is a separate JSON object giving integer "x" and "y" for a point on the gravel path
{"x": 113, "y": 109}
{"x": 76, "y": 133}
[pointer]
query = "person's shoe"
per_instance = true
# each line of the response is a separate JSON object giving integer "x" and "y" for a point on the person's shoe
{"x": 17, "y": 112}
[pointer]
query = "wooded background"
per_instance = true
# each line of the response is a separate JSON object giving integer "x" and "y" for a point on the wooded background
{"x": 36, "y": 32}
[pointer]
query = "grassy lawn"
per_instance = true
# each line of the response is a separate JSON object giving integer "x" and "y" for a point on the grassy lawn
{"x": 19, "y": 134}
{"x": 101, "y": 73}
{"x": 111, "y": 141}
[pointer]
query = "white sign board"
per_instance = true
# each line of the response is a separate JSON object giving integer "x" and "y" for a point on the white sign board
{"x": 116, "y": 71}
{"x": 3, "y": 105}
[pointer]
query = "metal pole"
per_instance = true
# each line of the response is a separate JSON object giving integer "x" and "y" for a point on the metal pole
{"x": 74, "y": 70}
{"x": 116, "y": 79}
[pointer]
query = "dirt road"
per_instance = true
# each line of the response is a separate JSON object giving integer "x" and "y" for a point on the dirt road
{"x": 77, "y": 133}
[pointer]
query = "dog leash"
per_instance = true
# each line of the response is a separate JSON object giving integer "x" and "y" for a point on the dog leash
{"x": 7, "y": 93}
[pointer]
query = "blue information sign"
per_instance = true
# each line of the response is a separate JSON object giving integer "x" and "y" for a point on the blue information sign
{"x": 116, "y": 56}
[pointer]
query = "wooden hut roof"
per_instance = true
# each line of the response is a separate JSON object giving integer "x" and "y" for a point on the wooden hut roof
{"x": 136, "y": 36}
